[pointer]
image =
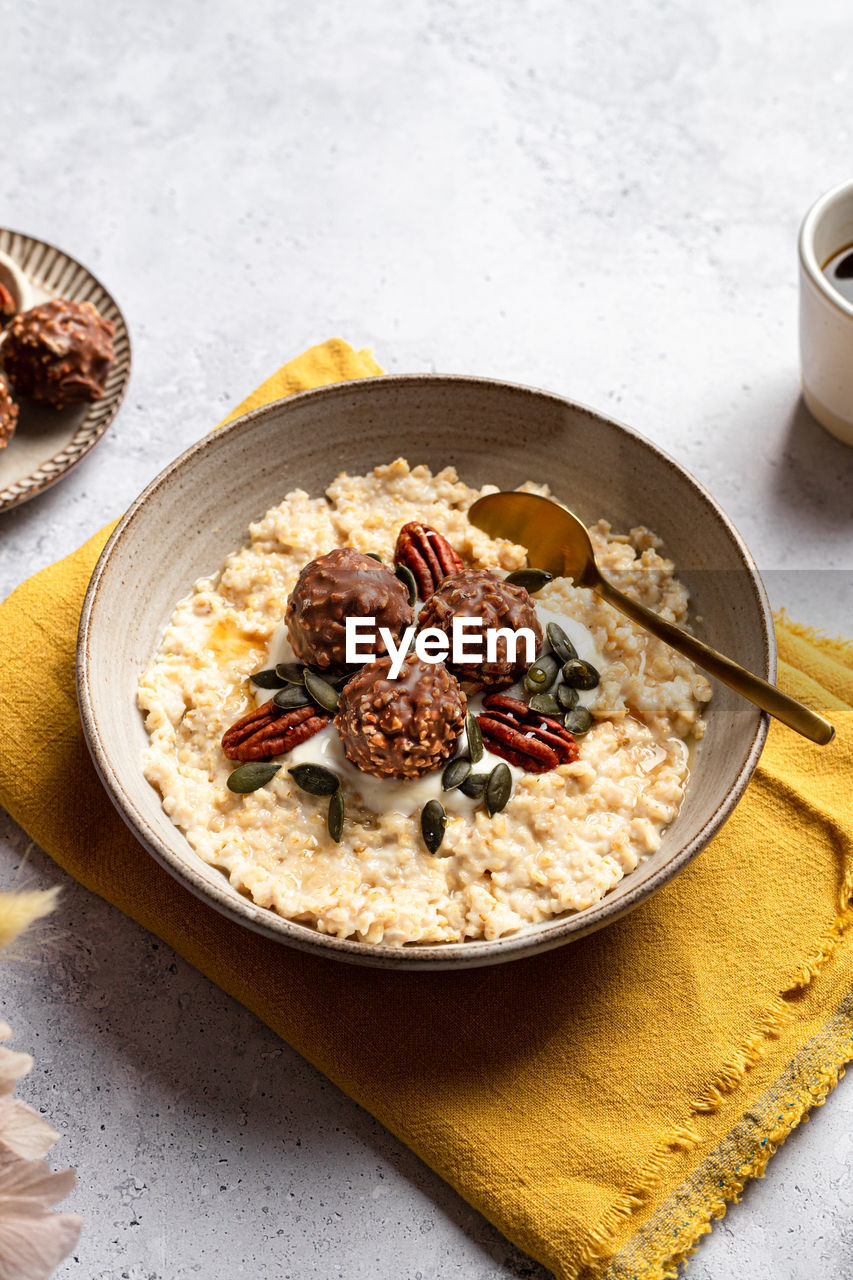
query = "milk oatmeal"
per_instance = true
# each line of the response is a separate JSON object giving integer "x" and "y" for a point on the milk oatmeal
{"x": 566, "y": 836}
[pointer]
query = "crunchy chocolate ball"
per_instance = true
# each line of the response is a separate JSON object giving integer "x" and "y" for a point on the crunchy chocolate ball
{"x": 59, "y": 353}
{"x": 8, "y": 415}
{"x": 480, "y": 593}
{"x": 401, "y": 728}
{"x": 343, "y": 584}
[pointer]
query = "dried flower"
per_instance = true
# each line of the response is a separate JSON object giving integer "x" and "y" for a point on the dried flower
{"x": 33, "y": 1239}
{"x": 19, "y": 910}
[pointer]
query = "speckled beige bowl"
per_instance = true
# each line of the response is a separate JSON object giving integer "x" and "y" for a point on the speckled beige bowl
{"x": 199, "y": 509}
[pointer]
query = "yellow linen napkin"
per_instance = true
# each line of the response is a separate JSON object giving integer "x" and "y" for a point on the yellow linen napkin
{"x": 600, "y": 1103}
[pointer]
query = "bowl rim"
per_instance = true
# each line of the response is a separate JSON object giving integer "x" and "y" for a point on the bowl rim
{"x": 413, "y": 956}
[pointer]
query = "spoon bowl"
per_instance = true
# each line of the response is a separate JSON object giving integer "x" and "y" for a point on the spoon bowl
{"x": 557, "y": 541}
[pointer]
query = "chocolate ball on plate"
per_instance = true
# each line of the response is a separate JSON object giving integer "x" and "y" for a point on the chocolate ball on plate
{"x": 8, "y": 415}
{"x": 59, "y": 353}
{"x": 401, "y": 728}
{"x": 342, "y": 584}
{"x": 480, "y": 593}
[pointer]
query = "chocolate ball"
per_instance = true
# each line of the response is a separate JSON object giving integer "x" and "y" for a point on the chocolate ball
{"x": 8, "y": 415}
{"x": 59, "y": 353}
{"x": 343, "y": 584}
{"x": 401, "y": 728}
{"x": 480, "y": 593}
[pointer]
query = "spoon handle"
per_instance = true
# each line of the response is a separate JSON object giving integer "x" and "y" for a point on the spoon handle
{"x": 752, "y": 687}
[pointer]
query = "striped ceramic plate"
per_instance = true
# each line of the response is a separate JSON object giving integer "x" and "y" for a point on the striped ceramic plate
{"x": 49, "y": 442}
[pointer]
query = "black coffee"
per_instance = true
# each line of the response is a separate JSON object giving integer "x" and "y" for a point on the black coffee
{"x": 839, "y": 272}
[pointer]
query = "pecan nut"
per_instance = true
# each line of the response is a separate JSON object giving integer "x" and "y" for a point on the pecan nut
{"x": 427, "y": 554}
{"x": 525, "y": 738}
{"x": 270, "y": 731}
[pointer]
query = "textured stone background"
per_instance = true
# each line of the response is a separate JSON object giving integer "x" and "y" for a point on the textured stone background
{"x": 599, "y": 199}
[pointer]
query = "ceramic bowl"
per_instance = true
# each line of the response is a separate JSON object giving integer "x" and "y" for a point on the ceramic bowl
{"x": 199, "y": 509}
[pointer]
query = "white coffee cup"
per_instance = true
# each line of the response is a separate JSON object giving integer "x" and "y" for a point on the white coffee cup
{"x": 826, "y": 318}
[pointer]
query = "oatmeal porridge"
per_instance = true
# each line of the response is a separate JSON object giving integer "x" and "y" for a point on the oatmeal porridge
{"x": 363, "y": 804}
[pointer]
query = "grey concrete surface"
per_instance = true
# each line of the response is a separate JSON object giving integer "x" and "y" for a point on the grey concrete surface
{"x": 602, "y": 200}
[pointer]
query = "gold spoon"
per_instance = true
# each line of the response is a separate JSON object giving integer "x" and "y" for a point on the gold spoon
{"x": 557, "y": 541}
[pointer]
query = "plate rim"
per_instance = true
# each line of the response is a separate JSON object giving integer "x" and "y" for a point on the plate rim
{"x": 415, "y": 956}
{"x": 49, "y": 472}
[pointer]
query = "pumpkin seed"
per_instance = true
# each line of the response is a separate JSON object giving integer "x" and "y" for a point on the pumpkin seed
{"x": 474, "y": 785}
{"x": 580, "y": 675}
{"x": 374, "y": 555}
{"x": 292, "y": 672}
{"x": 567, "y": 696}
{"x": 321, "y": 691}
{"x": 433, "y": 824}
{"x": 316, "y": 779}
{"x": 455, "y": 773}
{"x": 542, "y": 674}
{"x": 291, "y": 697}
{"x": 475, "y": 738}
{"x": 531, "y": 579}
{"x": 408, "y": 580}
{"x": 498, "y": 788}
{"x": 268, "y": 679}
{"x": 545, "y": 703}
{"x": 578, "y": 721}
{"x": 337, "y": 682}
{"x": 335, "y": 818}
{"x": 560, "y": 642}
{"x": 251, "y": 776}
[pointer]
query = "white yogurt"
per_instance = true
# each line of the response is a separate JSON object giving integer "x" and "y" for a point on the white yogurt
{"x": 280, "y": 650}
{"x": 579, "y": 635}
{"x": 386, "y": 795}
